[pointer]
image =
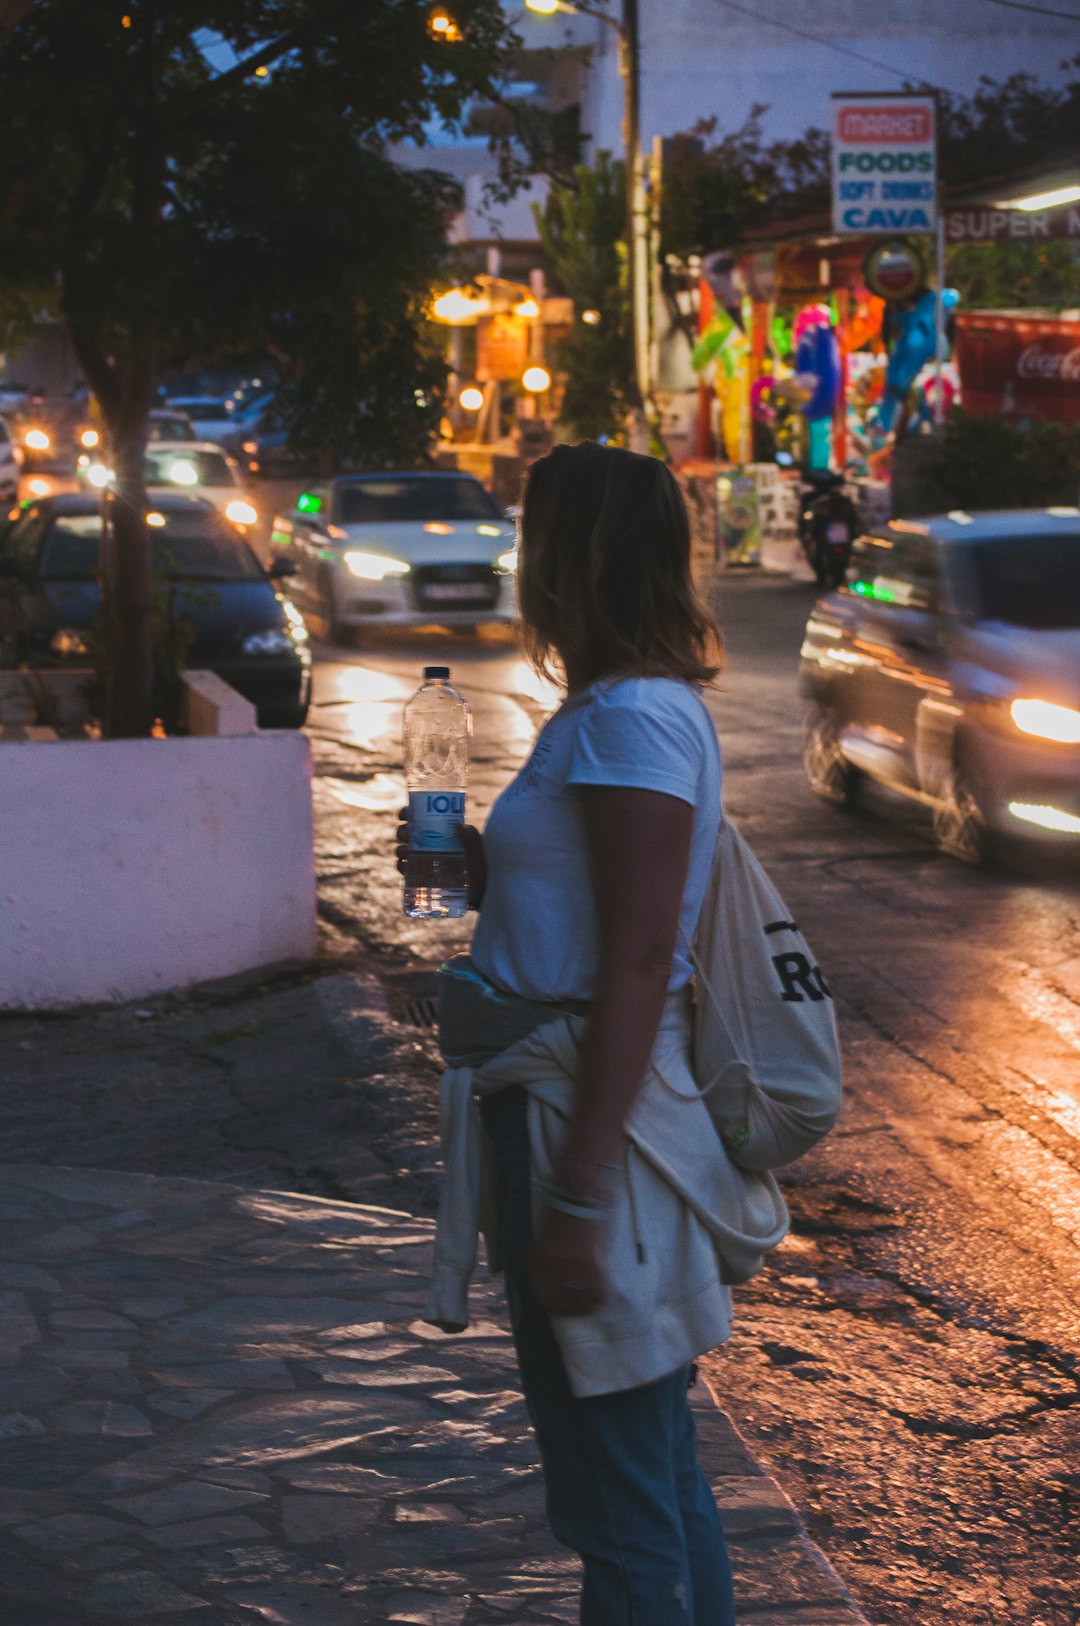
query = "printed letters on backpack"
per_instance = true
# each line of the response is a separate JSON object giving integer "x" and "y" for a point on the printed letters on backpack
{"x": 766, "y": 1052}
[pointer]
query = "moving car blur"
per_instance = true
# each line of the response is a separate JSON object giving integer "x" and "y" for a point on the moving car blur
{"x": 400, "y": 550}
{"x": 242, "y": 628}
{"x": 203, "y": 470}
{"x": 947, "y": 667}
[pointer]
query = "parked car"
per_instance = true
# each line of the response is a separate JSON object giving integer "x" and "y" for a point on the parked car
{"x": 167, "y": 423}
{"x": 400, "y": 550}
{"x": 203, "y": 470}
{"x": 948, "y": 667}
{"x": 245, "y": 629}
{"x": 210, "y": 416}
{"x": 10, "y": 465}
{"x": 245, "y": 420}
{"x": 266, "y": 451}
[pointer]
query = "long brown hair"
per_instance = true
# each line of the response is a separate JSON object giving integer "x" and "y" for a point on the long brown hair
{"x": 604, "y": 570}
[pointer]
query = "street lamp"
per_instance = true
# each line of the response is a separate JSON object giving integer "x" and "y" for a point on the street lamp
{"x": 637, "y": 208}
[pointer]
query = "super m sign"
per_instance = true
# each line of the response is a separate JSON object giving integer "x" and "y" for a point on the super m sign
{"x": 884, "y": 164}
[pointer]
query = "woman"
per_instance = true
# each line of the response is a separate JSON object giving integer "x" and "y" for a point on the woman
{"x": 589, "y": 880}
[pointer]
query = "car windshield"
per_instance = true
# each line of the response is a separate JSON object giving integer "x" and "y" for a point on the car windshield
{"x": 166, "y": 428}
{"x": 188, "y": 469}
{"x": 1029, "y": 581}
{"x": 387, "y": 502}
{"x": 182, "y": 549}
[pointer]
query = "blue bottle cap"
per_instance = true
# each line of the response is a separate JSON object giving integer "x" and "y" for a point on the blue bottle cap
{"x": 436, "y": 672}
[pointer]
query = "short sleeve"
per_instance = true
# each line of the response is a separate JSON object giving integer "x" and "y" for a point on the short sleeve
{"x": 643, "y": 740}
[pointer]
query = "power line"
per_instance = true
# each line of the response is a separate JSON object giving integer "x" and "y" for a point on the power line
{"x": 830, "y": 45}
{"x": 1040, "y": 11}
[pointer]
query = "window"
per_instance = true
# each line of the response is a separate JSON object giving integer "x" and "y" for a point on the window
{"x": 24, "y": 541}
{"x": 184, "y": 550}
{"x": 1029, "y": 581}
{"x": 901, "y": 570}
{"x": 188, "y": 470}
{"x": 390, "y": 502}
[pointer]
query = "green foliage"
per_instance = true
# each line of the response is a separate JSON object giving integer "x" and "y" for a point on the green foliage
{"x": 714, "y": 190}
{"x": 583, "y": 230}
{"x": 1009, "y": 276}
{"x": 1008, "y": 124}
{"x": 980, "y": 463}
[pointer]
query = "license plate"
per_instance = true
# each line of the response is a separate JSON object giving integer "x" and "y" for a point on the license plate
{"x": 837, "y": 531}
{"x": 448, "y": 590}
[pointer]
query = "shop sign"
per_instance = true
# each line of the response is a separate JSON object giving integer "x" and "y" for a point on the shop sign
{"x": 1019, "y": 365}
{"x": 502, "y": 348}
{"x": 884, "y": 163}
{"x": 894, "y": 271}
{"x": 1012, "y": 225}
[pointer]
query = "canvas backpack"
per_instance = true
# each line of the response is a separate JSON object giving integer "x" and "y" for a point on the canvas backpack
{"x": 766, "y": 1051}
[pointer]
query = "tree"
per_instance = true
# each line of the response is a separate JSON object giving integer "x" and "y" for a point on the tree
{"x": 582, "y": 229}
{"x": 716, "y": 189}
{"x": 207, "y": 177}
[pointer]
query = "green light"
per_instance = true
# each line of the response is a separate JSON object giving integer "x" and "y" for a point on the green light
{"x": 884, "y": 595}
{"x": 308, "y": 503}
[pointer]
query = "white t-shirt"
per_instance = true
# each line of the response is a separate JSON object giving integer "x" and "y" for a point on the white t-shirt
{"x": 537, "y": 931}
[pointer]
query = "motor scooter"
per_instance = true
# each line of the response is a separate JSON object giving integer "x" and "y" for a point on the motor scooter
{"x": 828, "y": 525}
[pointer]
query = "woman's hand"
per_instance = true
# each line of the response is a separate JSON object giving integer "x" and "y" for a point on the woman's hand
{"x": 475, "y": 863}
{"x": 567, "y": 1273}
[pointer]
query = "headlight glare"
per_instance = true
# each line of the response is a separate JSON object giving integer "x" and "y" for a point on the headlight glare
{"x": 375, "y": 567}
{"x": 1047, "y": 721}
{"x": 241, "y": 513}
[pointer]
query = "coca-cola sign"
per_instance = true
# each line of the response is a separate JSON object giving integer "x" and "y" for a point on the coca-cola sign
{"x": 1039, "y": 361}
{"x": 1018, "y": 365}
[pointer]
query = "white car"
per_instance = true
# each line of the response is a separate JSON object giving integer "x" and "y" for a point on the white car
{"x": 210, "y": 416}
{"x": 202, "y": 470}
{"x": 400, "y": 550}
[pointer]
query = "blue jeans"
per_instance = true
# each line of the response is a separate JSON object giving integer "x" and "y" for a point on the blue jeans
{"x": 624, "y": 1489}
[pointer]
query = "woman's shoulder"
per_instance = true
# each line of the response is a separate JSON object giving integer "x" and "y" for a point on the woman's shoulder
{"x": 656, "y": 695}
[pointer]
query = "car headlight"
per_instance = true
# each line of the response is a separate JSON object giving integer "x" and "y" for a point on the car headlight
{"x": 272, "y": 641}
{"x": 1047, "y": 721}
{"x": 375, "y": 567}
{"x": 241, "y": 513}
{"x": 297, "y": 629}
{"x": 68, "y": 641}
{"x": 507, "y": 561}
{"x": 37, "y": 440}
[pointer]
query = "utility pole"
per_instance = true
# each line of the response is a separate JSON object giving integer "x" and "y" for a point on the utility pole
{"x": 637, "y": 217}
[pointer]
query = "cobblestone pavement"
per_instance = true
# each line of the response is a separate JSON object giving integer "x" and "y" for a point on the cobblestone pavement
{"x": 219, "y": 1402}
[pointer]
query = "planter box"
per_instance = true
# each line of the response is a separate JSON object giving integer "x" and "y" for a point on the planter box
{"x": 132, "y": 866}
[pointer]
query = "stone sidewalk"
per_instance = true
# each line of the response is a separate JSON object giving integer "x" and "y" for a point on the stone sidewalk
{"x": 220, "y": 1403}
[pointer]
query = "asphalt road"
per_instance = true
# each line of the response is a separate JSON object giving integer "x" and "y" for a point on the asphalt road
{"x": 908, "y": 1364}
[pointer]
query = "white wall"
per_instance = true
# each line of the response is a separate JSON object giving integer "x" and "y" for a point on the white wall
{"x": 131, "y": 866}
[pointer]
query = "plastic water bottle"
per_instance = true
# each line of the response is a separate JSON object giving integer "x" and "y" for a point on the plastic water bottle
{"x": 437, "y": 726}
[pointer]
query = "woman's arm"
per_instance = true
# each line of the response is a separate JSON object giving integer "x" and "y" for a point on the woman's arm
{"x": 638, "y": 842}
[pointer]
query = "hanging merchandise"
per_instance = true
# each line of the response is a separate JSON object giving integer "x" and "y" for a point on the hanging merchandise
{"x": 911, "y": 338}
{"x": 817, "y": 367}
{"x": 721, "y": 341}
{"x": 863, "y": 325}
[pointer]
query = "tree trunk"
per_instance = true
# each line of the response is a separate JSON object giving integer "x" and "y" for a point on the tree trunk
{"x": 127, "y": 574}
